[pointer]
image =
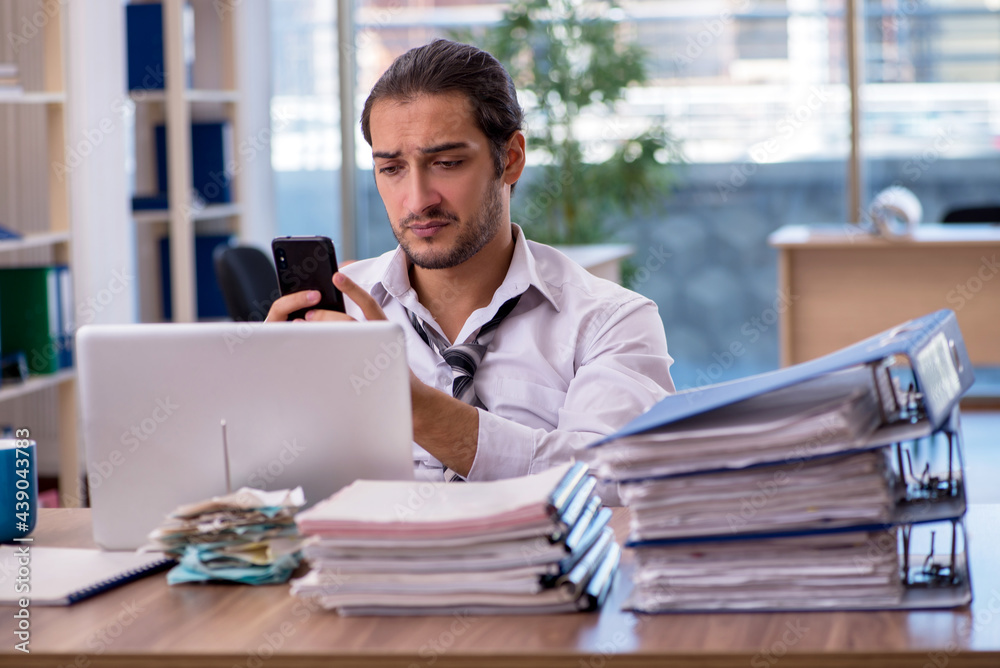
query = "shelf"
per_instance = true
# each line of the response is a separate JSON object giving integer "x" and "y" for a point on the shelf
{"x": 601, "y": 260}
{"x": 191, "y": 95}
{"x": 33, "y": 241}
{"x": 210, "y": 212}
{"x": 11, "y": 390}
{"x": 20, "y": 97}
{"x": 852, "y": 236}
{"x": 211, "y": 96}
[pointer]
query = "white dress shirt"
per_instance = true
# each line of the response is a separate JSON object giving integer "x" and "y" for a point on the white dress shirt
{"x": 577, "y": 358}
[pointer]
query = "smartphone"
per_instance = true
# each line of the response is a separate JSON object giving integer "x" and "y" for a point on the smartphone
{"x": 307, "y": 263}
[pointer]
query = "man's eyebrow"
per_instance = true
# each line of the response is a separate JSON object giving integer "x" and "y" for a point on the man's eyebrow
{"x": 441, "y": 148}
{"x": 430, "y": 150}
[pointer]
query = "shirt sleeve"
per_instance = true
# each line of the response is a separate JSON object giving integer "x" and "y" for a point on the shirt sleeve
{"x": 624, "y": 369}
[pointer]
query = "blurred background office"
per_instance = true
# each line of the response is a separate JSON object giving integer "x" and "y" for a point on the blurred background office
{"x": 756, "y": 93}
{"x": 678, "y": 134}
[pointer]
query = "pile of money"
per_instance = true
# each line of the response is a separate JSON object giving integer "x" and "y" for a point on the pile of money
{"x": 248, "y": 536}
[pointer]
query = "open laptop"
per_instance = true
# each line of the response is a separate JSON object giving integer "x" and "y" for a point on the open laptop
{"x": 318, "y": 405}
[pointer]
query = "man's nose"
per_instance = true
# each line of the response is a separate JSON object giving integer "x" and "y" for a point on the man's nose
{"x": 422, "y": 194}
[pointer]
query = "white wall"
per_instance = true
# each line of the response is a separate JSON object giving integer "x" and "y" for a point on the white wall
{"x": 98, "y": 118}
{"x": 253, "y": 79}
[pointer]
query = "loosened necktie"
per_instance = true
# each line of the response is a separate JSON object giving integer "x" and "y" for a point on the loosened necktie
{"x": 465, "y": 358}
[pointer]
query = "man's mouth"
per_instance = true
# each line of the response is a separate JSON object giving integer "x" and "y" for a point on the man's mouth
{"x": 427, "y": 229}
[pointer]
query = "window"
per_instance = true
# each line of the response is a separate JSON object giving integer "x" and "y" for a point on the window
{"x": 931, "y": 101}
{"x": 305, "y": 117}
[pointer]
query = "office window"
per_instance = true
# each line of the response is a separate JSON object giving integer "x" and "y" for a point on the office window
{"x": 931, "y": 117}
{"x": 305, "y": 117}
{"x": 757, "y": 93}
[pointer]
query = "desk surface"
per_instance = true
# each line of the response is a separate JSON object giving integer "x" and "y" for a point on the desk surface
{"x": 852, "y": 236}
{"x": 147, "y": 623}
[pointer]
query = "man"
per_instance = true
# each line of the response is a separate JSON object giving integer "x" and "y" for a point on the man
{"x": 553, "y": 357}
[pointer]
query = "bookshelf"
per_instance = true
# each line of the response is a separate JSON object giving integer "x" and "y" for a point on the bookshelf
{"x": 227, "y": 81}
{"x": 70, "y": 160}
{"x": 37, "y": 203}
{"x": 206, "y": 92}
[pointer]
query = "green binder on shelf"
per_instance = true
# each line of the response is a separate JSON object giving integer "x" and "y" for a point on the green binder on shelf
{"x": 30, "y": 317}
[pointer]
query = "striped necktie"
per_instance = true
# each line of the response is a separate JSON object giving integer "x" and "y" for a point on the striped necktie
{"x": 464, "y": 358}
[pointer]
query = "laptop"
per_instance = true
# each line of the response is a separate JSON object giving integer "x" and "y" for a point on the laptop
{"x": 315, "y": 405}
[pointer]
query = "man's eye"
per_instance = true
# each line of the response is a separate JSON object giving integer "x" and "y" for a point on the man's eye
{"x": 448, "y": 164}
{"x": 388, "y": 170}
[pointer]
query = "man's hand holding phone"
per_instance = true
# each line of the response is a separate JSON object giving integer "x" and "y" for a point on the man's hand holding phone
{"x": 305, "y": 267}
{"x": 301, "y": 303}
{"x": 308, "y": 301}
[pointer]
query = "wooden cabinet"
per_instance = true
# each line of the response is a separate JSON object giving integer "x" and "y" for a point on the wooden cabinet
{"x": 840, "y": 285}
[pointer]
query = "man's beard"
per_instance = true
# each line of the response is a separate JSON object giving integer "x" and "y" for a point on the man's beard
{"x": 473, "y": 234}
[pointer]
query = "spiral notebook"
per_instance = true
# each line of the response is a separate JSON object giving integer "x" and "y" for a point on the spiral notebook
{"x": 65, "y": 575}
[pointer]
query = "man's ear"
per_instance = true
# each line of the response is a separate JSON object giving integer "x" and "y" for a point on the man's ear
{"x": 515, "y": 158}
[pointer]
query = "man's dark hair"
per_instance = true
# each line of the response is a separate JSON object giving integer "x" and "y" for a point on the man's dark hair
{"x": 448, "y": 67}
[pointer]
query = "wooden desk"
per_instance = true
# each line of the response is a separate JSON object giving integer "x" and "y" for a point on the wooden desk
{"x": 839, "y": 285}
{"x": 147, "y": 623}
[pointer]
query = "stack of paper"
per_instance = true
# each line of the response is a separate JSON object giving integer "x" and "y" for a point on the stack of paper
{"x": 801, "y": 488}
{"x": 830, "y": 492}
{"x": 536, "y": 544}
{"x": 749, "y": 506}
{"x": 825, "y": 415}
{"x": 248, "y": 536}
{"x": 821, "y": 571}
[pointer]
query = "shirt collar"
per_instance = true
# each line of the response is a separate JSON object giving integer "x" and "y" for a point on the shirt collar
{"x": 522, "y": 274}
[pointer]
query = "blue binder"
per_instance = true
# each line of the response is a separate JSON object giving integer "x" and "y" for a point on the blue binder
{"x": 211, "y": 303}
{"x": 211, "y": 146}
{"x": 933, "y": 345}
{"x": 144, "y": 45}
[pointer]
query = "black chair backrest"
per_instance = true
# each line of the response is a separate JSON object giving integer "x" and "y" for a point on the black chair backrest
{"x": 248, "y": 281}
{"x": 978, "y": 214}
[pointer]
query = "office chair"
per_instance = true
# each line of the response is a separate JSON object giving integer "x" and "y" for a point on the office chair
{"x": 248, "y": 281}
{"x": 979, "y": 214}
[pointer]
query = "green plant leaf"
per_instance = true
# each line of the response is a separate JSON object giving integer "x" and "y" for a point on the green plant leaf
{"x": 574, "y": 59}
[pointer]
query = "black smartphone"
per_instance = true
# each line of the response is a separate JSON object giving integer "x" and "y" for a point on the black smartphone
{"x": 307, "y": 263}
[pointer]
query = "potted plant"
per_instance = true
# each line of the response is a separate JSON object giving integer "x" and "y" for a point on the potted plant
{"x": 570, "y": 60}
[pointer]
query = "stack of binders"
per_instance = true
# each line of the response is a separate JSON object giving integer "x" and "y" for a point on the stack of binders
{"x": 532, "y": 545}
{"x": 808, "y": 488}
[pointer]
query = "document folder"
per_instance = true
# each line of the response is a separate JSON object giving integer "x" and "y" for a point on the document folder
{"x": 830, "y": 485}
{"x": 933, "y": 345}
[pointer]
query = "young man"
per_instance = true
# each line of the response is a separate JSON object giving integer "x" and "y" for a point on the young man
{"x": 549, "y": 358}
